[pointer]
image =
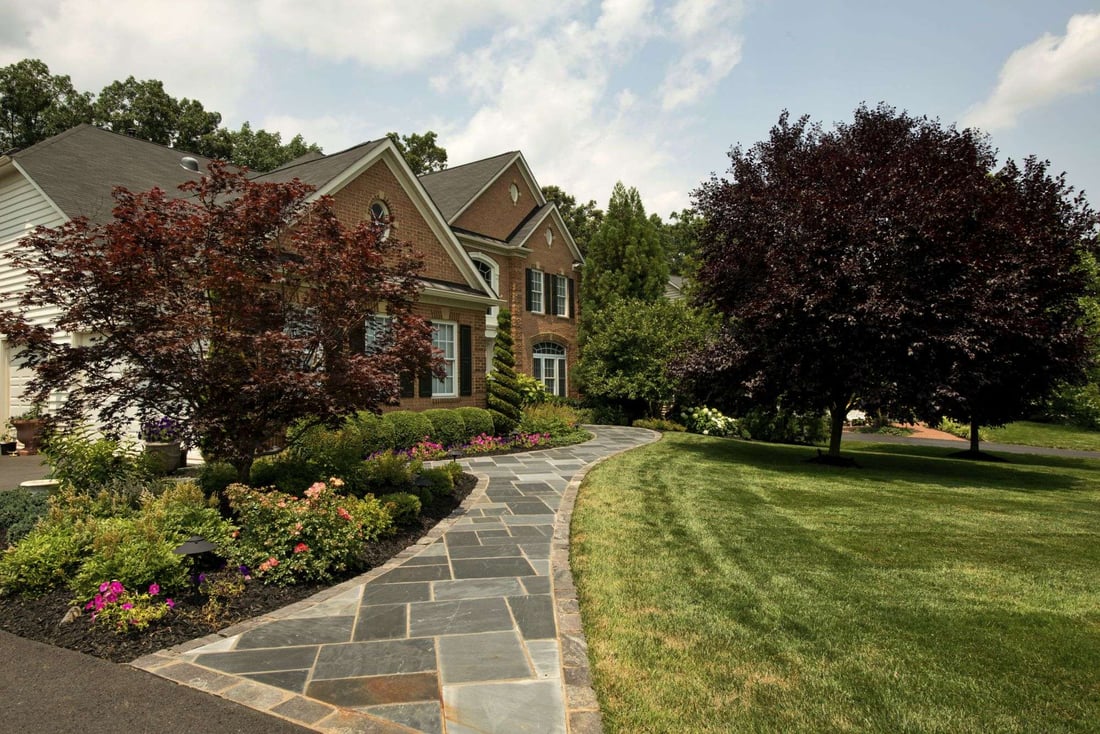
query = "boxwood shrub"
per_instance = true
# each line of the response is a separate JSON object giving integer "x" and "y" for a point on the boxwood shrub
{"x": 477, "y": 420}
{"x": 448, "y": 428}
{"x": 409, "y": 428}
{"x": 375, "y": 432}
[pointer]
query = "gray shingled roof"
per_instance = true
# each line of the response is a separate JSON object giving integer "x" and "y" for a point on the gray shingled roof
{"x": 528, "y": 226}
{"x": 452, "y": 188}
{"x": 320, "y": 171}
{"x": 78, "y": 169}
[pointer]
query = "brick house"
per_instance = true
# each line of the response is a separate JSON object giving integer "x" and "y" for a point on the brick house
{"x": 487, "y": 235}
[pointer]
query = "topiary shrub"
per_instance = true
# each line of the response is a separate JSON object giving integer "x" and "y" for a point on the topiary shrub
{"x": 504, "y": 399}
{"x": 448, "y": 428}
{"x": 375, "y": 433}
{"x": 478, "y": 421}
{"x": 409, "y": 428}
{"x": 403, "y": 507}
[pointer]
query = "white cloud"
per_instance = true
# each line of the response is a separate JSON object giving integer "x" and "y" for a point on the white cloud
{"x": 91, "y": 40}
{"x": 708, "y": 50}
{"x": 382, "y": 33}
{"x": 1041, "y": 72}
{"x": 332, "y": 132}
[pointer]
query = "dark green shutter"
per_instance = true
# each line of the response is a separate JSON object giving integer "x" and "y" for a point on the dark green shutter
{"x": 357, "y": 339}
{"x": 465, "y": 360}
{"x": 426, "y": 385}
{"x": 407, "y": 385}
{"x": 572, "y": 299}
{"x": 530, "y": 293}
{"x": 548, "y": 293}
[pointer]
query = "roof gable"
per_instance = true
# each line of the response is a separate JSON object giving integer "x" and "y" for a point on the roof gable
{"x": 547, "y": 211}
{"x": 455, "y": 189}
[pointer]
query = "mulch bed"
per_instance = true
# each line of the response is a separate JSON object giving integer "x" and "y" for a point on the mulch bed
{"x": 39, "y": 619}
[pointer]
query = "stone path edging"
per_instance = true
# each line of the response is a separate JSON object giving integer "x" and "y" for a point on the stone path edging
{"x": 502, "y": 565}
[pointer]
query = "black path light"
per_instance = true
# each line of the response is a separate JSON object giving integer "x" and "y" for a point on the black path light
{"x": 200, "y": 551}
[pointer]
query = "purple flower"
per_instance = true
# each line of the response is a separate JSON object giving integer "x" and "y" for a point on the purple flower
{"x": 244, "y": 570}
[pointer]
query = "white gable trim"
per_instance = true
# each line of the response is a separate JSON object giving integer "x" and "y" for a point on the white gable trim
{"x": 553, "y": 213}
{"x": 524, "y": 171}
{"x": 387, "y": 154}
{"x": 53, "y": 204}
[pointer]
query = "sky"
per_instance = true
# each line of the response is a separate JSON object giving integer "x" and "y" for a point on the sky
{"x": 650, "y": 93}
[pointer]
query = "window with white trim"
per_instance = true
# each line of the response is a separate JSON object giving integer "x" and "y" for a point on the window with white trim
{"x": 445, "y": 339}
{"x": 549, "y": 367}
{"x": 534, "y": 291}
{"x": 561, "y": 295}
{"x": 380, "y": 214}
{"x": 377, "y": 327}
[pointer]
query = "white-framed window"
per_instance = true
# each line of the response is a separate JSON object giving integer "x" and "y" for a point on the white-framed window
{"x": 490, "y": 273}
{"x": 535, "y": 296}
{"x": 549, "y": 367}
{"x": 377, "y": 326}
{"x": 561, "y": 295}
{"x": 445, "y": 339}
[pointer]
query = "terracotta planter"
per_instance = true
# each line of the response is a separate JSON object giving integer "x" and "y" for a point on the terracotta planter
{"x": 165, "y": 457}
{"x": 29, "y": 433}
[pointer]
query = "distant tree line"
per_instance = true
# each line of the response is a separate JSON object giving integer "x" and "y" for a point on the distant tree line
{"x": 35, "y": 105}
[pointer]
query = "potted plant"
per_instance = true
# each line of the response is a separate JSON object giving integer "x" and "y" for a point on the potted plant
{"x": 29, "y": 429}
{"x": 162, "y": 442}
{"x": 7, "y": 442}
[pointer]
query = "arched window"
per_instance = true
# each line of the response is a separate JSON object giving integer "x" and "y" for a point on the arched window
{"x": 549, "y": 367}
{"x": 379, "y": 212}
{"x": 490, "y": 273}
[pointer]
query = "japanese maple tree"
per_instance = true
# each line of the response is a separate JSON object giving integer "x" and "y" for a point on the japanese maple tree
{"x": 850, "y": 263}
{"x": 236, "y": 308}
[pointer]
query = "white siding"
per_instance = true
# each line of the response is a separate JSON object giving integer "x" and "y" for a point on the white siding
{"x": 22, "y": 208}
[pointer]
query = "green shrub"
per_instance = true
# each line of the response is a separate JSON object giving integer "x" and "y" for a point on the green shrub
{"x": 133, "y": 552}
{"x": 286, "y": 540}
{"x": 962, "y": 430}
{"x": 181, "y": 511}
{"x": 711, "y": 422}
{"x": 784, "y": 426}
{"x": 448, "y": 428}
{"x": 19, "y": 511}
{"x": 42, "y": 561}
{"x": 409, "y": 428}
{"x": 403, "y": 507}
{"x": 552, "y": 418}
{"x": 659, "y": 424}
{"x": 330, "y": 452}
{"x": 284, "y": 472}
{"x": 531, "y": 390}
{"x": 502, "y": 392}
{"x": 478, "y": 421}
{"x": 606, "y": 414}
{"x": 375, "y": 432}
{"x": 436, "y": 483}
{"x": 214, "y": 477}
{"x": 389, "y": 472}
{"x": 84, "y": 460}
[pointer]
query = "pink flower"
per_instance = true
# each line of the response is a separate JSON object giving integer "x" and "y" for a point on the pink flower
{"x": 117, "y": 588}
{"x": 154, "y": 589}
{"x": 315, "y": 489}
{"x": 170, "y": 604}
{"x": 104, "y": 586}
{"x": 301, "y": 548}
{"x": 127, "y": 605}
{"x": 344, "y": 514}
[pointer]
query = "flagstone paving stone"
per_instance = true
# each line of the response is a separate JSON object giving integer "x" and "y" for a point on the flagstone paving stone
{"x": 473, "y": 629}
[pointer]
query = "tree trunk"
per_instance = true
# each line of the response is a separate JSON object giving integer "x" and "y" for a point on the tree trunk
{"x": 837, "y": 413}
{"x": 974, "y": 435}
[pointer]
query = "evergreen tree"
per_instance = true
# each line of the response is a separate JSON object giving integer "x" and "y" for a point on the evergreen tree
{"x": 504, "y": 399}
{"x": 625, "y": 258}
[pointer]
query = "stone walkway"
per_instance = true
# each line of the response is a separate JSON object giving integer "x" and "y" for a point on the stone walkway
{"x": 474, "y": 629}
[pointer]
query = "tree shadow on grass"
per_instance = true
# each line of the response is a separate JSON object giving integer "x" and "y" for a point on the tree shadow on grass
{"x": 879, "y": 464}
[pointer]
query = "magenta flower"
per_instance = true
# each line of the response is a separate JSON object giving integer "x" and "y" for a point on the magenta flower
{"x": 154, "y": 589}
{"x": 117, "y": 588}
{"x": 127, "y": 605}
{"x": 104, "y": 586}
{"x": 171, "y": 604}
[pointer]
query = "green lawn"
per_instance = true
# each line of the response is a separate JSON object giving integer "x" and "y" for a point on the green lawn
{"x": 730, "y": 586}
{"x": 1051, "y": 435}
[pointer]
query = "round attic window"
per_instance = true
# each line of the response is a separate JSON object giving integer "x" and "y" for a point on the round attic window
{"x": 549, "y": 237}
{"x": 513, "y": 192}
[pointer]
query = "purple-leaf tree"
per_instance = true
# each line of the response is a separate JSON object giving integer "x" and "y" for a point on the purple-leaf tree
{"x": 235, "y": 310}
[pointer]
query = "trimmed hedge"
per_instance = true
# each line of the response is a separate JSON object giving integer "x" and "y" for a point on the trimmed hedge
{"x": 448, "y": 428}
{"x": 477, "y": 420}
{"x": 375, "y": 432}
{"x": 409, "y": 428}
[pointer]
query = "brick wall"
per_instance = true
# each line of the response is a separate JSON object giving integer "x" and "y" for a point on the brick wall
{"x": 493, "y": 213}
{"x": 352, "y": 204}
